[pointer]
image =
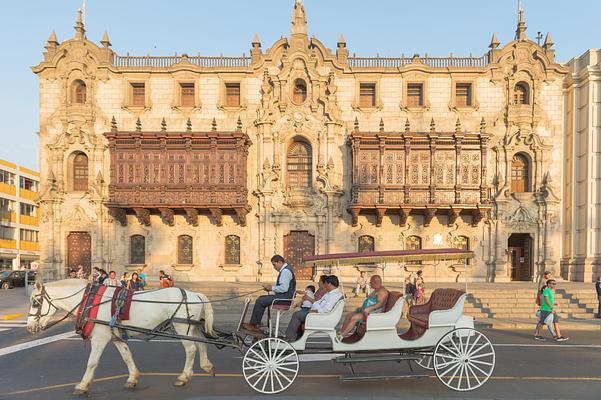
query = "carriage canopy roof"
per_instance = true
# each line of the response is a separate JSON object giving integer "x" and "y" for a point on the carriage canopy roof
{"x": 391, "y": 256}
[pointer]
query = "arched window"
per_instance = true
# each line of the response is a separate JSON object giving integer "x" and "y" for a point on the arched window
{"x": 232, "y": 249}
{"x": 299, "y": 92}
{"x": 521, "y": 94}
{"x": 299, "y": 165}
{"x": 463, "y": 243}
{"x": 520, "y": 173}
{"x": 413, "y": 243}
{"x": 80, "y": 172}
{"x": 79, "y": 92}
{"x": 184, "y": 250}
{"x": 366, "y": 244}
{"x": 137, "y": 249}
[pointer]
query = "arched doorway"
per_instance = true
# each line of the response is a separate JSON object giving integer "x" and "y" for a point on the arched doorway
{"x": 519, "y": 248}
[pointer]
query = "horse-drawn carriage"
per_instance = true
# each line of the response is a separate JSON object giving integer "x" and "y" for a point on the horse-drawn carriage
{"x": 440, "y": 337}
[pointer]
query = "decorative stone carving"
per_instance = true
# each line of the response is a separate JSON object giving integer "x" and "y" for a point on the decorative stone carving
{"x": 217, "y": 215}
{"x": 191, "y": 216}
{"x": 143, "y": 215}
{"x": 380, "y": 216}
{"x": 118, "y": 214}
{"x": 242, "y": 213}
{"x": 167, "y": 215}
{"x": 453, "y": 214}
{"x": 404, "y": 215}
{"x": 428, "y": 215}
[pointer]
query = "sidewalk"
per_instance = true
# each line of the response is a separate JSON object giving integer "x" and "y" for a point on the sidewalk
{"x": 530, "y": 323}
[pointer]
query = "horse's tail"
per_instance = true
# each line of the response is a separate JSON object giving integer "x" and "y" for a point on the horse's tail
{"x": 207, "y": 309}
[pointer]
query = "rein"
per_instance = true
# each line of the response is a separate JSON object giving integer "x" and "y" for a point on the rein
{"x": 44, "y": 296}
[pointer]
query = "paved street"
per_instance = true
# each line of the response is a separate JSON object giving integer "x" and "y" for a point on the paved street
{"x": 525, "y": 369}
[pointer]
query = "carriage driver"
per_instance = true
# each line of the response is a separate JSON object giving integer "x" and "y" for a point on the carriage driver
{"x": 284, "y": 288}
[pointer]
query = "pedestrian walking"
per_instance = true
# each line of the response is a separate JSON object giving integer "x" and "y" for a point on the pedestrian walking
{"x": 598, "y": 288}
{"x": 547, "y": 310}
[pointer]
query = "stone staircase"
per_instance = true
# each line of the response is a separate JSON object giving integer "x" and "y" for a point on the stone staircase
{"x": 485, "y": 301}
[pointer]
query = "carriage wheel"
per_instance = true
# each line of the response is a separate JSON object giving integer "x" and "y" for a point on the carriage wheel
{"x": 270, "y": 366}
{"x": 464, "y": 359}
{"x": 425, "y": 361}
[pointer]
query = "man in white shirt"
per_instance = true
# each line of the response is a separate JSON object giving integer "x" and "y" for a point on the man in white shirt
{"x": 284, "y": 290}
{"x": 323, "y": 305}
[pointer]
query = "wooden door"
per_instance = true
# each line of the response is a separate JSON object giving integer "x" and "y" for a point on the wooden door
{"x": 79, "y": 251}
{"x": 515, "y": 254}
{"x": 296, "y": 245}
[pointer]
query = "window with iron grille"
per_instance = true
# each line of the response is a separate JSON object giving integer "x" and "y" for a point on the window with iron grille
{"x": 79, "y": 92}
{"x": 184, "y": 250}
{"x": 521, "y": 94}
{"x": 232, "y": 94}
{"x": 187, "y": 94}
{"x": 520, "y": 174}
{"x": 299, "y": 92}
{"x": 367, "y": 95}
{"x": 138, "y": 94}
{"x": 463, "y": 95}
{"x": 415, "y": 94}
{"x": 365, "y": 244}
{"x": 137, "y": 249}
{"x": 299, "y": 165}
{"x": 232, "y": 249}
{"x": 80, "y": 172}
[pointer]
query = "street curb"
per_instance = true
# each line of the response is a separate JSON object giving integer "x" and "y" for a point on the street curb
{"x": 523, "y": 326}
{"x": 11, "y": 316}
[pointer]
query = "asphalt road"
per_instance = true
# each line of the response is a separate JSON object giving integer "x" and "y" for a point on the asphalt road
{"x": 525, "y": 369}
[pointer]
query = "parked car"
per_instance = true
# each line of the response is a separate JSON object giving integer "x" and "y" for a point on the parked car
{"x": 11, "y": 279}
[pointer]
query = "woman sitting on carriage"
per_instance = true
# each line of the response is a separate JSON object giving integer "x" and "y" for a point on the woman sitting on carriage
{"x": 374, "y": 303}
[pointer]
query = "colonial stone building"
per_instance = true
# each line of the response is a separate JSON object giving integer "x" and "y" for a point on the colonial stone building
{"x": 210, "y": 165}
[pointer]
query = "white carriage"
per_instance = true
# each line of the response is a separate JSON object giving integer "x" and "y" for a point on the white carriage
{"x": 440, "y": 338}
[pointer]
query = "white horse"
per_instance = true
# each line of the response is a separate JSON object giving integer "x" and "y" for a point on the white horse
{"x": 66, "y": 295}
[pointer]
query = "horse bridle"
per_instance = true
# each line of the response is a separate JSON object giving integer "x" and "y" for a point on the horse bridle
{"x": 38, "y": 301}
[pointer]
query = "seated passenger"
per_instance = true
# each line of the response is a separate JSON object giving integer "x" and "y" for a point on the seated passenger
{"x": 375, "y": 303}
{"x": 323, "y": 305}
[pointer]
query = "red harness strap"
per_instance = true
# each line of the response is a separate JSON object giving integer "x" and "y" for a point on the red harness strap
{"x": 124, "y": 314}
{"x": 92, "y": 312}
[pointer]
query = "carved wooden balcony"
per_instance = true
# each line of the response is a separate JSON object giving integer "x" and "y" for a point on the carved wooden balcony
{"x": 187, "y": 173}
{"x": 431, "y": 173}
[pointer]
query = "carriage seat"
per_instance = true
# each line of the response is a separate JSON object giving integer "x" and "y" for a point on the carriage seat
{"x": 387, "y": 319}
{"x": 441, "y": 300}
{"x": 325, "y": 321}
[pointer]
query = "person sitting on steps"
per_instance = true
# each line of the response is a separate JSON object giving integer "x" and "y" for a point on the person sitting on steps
{"x": 284, "y": 288}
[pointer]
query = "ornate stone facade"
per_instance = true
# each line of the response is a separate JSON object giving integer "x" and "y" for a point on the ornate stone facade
{"x": 328, "y": 153}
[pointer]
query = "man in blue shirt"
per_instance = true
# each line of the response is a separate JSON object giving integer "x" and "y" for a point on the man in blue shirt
{"x": 284, "y": 288}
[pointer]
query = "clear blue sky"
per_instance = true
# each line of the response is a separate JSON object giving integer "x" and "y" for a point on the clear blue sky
{"x": 387, "y": 27}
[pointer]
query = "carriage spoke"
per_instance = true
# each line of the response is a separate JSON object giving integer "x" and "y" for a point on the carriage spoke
{"x": 486, "y": 374}
{"x": 481, "y": 355}
{"x": 481, "y": 362}
{"x": 449, "y": 350}
{"x": 473, "y": 373}
{"x": 270, "y": 366}
{"x": 283, "y": 376}
{"x": 464, "y": 359}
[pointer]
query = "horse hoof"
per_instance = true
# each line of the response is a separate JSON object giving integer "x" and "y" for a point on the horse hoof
{"x": 130, "y": 385}
{"x": 179, "y": 382}
{"x": 80, "y": 392}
